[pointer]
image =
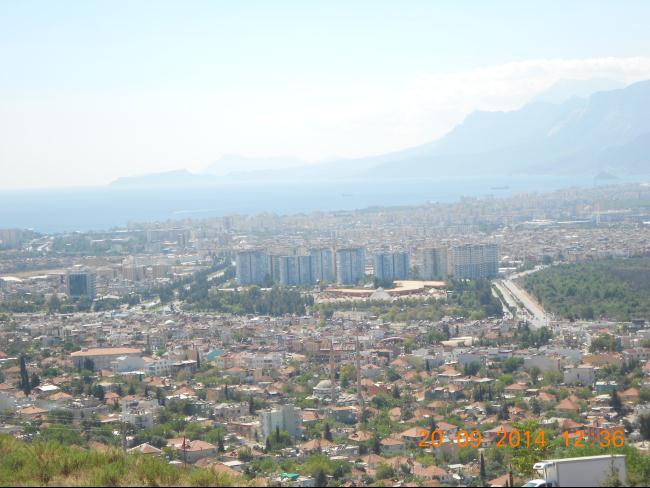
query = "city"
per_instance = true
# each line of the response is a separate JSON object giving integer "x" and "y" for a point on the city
{"x": 310, "y": 244}
{"x": 305, "y": 350}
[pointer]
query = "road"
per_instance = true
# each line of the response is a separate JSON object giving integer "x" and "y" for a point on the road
{"x": 516, "y": 296}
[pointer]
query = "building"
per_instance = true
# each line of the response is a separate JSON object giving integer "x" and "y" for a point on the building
{"x": 434, "y": 264}
{"x": 583, "y": 374}
{"x": 295, "y": 270}
{"x": 81, "y": 284}
{"x": 252, "y": 267}
{"x": 102, "y": 358}
{"x": 139, "y": 414}
{"x": 283, "y": 417}
{"x": 10, "y": 238}
{"x": 350, "y": 265}
{"x": 274, "y": 265}
{"x": 389, "y": 266}
{"x": 475, "y": 262}
{"x": 191, "y": 451}
{"x": 322, "y": 265}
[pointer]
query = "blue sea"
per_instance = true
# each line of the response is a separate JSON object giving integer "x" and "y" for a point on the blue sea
{"x": 102, "y": 208}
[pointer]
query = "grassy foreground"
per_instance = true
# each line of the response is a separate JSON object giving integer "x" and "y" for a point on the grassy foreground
{"x": 52, "y": 464}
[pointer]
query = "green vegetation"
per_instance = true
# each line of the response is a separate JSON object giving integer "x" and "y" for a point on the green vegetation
{"x": 276, "y": 301}
{"x": 617, "y": 289}
{"x": 53, "y": 464}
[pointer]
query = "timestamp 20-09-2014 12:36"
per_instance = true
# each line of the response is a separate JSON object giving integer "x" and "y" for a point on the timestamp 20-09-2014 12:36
{"x": 521, "y": 438}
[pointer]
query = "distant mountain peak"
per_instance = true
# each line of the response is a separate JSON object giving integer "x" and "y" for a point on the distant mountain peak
{"x": 565, "y": 89}
{"x": 165, "y": 178}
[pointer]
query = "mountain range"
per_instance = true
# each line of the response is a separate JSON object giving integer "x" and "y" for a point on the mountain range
{"x": 606, "y": 132}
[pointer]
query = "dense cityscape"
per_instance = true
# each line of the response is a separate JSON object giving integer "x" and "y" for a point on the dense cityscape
{"x": 323, "y": 348}
{"x": 325, "y": 244}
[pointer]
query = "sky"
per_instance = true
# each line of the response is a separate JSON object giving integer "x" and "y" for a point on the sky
{"x": 94, "y": 90}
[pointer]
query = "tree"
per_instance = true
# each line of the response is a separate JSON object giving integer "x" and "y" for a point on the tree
{"x": 24, "y": 383}
{"x": 376, "y": 444}
{"x": 511, "y": 364}
{"x": 644, "y": 426}
{"x": 328, "y": 433}
{"x": 395, "y": 392}
{"x": 471, "y": 369}
{"x": 54, "y": 304}
{"x": 251, "y": 404}
{"x": 616, "y": 403}
{"x": 504, "y": 413}
{"x": 198, "y": 360}
{"x": 483, "y": 474}
{"x": 88, "y": 364}
{"x": 99, "y": 393}
{"x": 534, "y": 373}
{"x": 445, "y": 331}
{"x": 613, "y": 477}
{"x": 535, "y": 406}
{"x": 321, "y": 477}
{"x": 35, "y": 380}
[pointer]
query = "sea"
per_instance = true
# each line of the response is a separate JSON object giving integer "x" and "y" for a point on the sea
{"x": 103, "y": 208}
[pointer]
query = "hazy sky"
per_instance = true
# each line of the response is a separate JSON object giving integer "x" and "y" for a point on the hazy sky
{"x": 90, "y": 91}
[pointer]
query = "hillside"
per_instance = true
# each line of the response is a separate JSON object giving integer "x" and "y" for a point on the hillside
{"x": 578, "y": 136}
{"x": 616, "y": 289}
{"x": 53, "y": 464}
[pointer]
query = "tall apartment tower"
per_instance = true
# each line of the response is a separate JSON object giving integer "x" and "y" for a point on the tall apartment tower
{"x": 295, "y": 270}
{"x": 252, "y": 267}
{"x": 401, "y": 264}
{"x": 274, "y": 265}
{"x": 322, "y": 265}
{"x": 391, "y": 265}
{"x": 350, "y": 265}
{"x": 434, "y": 263}
{"x": 81, "y": 284}
{"x": 475, "y": 262}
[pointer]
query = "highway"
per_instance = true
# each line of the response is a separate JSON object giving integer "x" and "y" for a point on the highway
{"x": 516, "y": 296}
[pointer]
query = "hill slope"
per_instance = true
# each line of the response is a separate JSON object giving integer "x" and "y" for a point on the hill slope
{"x": 53, "y": 464}
{"x": 580, "y": 135}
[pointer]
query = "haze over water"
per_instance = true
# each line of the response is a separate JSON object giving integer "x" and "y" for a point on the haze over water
{"x": 106, "y": 207}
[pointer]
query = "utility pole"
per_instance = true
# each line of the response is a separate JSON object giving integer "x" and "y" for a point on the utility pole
{"x": 358, "y": 364}
{"x": 123, "y": 436}
{"x": 184, "y": 452}
{"x": 333, "y": 394}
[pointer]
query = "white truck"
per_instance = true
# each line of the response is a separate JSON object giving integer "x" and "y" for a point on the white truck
{"x": 579, "y": 471}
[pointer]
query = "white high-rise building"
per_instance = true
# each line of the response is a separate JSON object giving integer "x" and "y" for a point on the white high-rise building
{"x": 81, "y": 284}
{"x": 391, "y": 265}
{"x": 322, "y": 265}
{"x": 434, "y": 264}
{"x": 475, "y": 261}
{"x": 252, "y": 267}
{"x": 350, "y": 265}
{"x": 295, "y": 270}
